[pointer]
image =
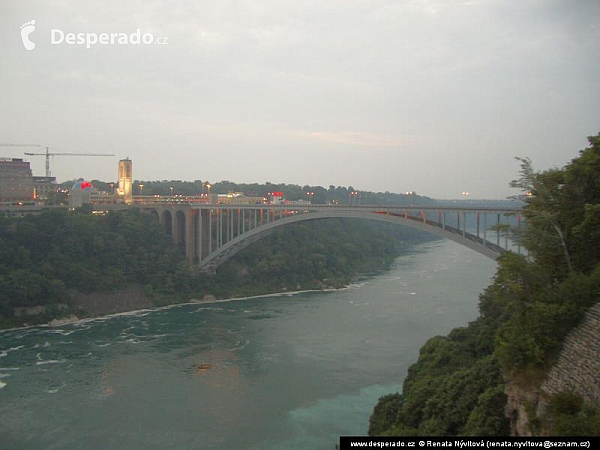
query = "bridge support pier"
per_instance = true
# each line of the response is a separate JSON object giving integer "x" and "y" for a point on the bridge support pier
{"x": 199, "y": 236}
{"x": 174, "y": 227}
{"x": 189, "y": 235}
{"x": 484, "y": 230}
{"x": 498, "y": 231}
{"x": 210, "y": 247}
{"x": 203, "y": 233}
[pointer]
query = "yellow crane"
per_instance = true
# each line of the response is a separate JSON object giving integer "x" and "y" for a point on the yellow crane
{"x": 48, "y": 154}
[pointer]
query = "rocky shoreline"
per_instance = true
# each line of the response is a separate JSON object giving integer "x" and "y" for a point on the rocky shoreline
{"x": 132, "y": 300}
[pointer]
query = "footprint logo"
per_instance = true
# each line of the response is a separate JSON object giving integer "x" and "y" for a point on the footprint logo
{"x": 26, "y": 30}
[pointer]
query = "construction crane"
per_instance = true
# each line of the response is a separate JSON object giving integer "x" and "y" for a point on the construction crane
{"x": 48, "y": 154}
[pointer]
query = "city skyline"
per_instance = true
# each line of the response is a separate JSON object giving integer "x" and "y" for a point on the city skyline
{"x": 436, "y": 98}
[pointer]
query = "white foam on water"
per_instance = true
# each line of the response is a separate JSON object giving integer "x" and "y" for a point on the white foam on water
{"x": 50, "y": 361}
{"x": 2, "y": 384}
{"x": 47, "y": 361}
{"x": 204, "y": 309}
{"x": 9, "y": 368}
{"x": 4, "y": 353}
{"x": 237, "y": 346}
{"x": 4, "y": 375}
{"x": 60, "y": 331}
{"x": 84, "y": 324}
{"x": 236, "y": 331}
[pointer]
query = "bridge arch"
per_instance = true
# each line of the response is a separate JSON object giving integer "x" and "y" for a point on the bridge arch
{"x": 229, "y": 249}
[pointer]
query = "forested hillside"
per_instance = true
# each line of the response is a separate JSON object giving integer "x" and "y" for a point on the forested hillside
{"x": 457, "y": 387}
{"x": 46, "y": 258}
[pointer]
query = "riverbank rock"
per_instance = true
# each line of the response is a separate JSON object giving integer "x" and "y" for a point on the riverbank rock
{"x": 63, "y": 321}
{"x": 97, "y": 304}
{"x": 576, "y": 370}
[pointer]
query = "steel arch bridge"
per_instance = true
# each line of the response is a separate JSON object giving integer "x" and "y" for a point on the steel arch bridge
{"x": 210, "y": 234}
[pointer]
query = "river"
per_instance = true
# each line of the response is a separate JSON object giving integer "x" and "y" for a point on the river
{"x": 289, "y": 371}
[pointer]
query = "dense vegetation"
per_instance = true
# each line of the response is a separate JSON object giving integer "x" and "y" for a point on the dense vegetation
{"x": 457, "y": 385}
{"x": 45, "y": 257}
{"x": 313, "y": 255}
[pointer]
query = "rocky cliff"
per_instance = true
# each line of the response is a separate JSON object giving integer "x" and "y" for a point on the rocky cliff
{"x": 576, "y": 370}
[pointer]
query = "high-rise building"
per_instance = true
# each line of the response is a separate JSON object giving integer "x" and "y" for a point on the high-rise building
{"x": 16, "y": 180}
{"x": 125, "y": 188}
{"x": 44, "y": 187}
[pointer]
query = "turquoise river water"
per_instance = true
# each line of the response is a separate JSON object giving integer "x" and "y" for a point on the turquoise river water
{"x": 288, "y": 371}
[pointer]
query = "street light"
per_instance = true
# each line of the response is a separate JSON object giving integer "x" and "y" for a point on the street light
{"x": 310, "y": 196}
{"x": 141, "y": 189}
{"x": 353, "y": 195}
{"x": 465, "y": 194}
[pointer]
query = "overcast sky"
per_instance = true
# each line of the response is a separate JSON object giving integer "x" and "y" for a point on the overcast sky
{"x": 436, "y": 97}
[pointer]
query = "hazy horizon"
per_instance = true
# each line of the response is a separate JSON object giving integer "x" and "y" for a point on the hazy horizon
{"x": 417, "y": 95}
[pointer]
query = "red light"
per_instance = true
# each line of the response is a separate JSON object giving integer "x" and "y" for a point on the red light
{"x": 86, "y": 184}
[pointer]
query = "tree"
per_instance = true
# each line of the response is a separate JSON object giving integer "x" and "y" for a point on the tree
{"x": 542, "y": 192}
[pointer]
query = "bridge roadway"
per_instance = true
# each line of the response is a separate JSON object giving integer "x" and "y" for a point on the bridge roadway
{"x": 210, "y": 234}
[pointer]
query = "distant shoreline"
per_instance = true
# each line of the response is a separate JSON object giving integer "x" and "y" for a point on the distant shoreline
{"x": 75, "y": 320}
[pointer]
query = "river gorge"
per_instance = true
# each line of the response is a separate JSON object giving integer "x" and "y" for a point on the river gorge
{"x": 284, "y": 371}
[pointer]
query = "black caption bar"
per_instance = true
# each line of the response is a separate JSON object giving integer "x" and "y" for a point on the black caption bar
{"x": 466, "y": 443}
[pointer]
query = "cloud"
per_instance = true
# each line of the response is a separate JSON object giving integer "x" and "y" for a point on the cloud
{"x": 449, "y": 90}
{"x": 357, "y": 138}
